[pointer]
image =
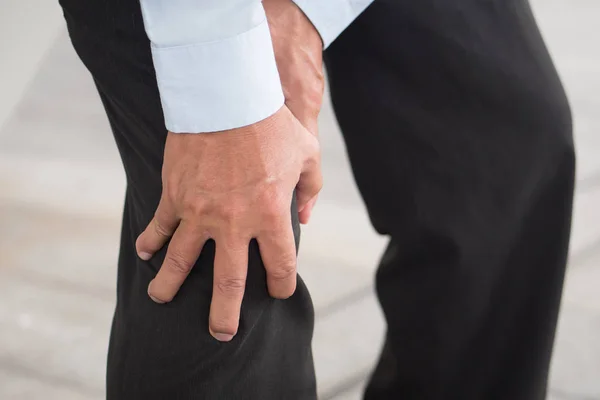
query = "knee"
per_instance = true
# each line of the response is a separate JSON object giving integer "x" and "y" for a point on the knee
{"x": 546, "y": 117}
{"x": 559, "y": 122}
{"x": 561, "y": 118}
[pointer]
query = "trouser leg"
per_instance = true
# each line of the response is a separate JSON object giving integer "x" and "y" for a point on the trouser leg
{"x": 459, "y": 136}
{"x": 165, "y": 352}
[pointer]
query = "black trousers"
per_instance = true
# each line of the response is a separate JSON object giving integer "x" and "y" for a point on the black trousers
{"x": 460, "y": 139}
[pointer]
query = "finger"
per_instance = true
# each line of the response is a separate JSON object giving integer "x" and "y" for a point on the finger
{"x": 157, "y": 233}
{"x": 231, "y": 265}
{"x": 278, "y": 252}
{"x": 309, "y": 185}
{"x": 305, "y": 213}
{"x": 182, "y": 254}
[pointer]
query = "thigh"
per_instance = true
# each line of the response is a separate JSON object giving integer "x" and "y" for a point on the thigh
{"x": 448, "y": 106}
{"x": 165, "y": 351}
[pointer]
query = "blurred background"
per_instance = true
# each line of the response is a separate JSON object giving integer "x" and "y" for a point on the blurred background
{"x": 61, "y": 191}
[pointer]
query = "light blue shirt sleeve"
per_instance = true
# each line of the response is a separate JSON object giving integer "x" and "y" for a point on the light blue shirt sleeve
{"x": 214, "y": 60}
{"x": 331, "y": 17}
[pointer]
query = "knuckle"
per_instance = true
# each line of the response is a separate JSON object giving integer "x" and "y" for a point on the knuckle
{"x": 273, "y": 206}
{"x": 160, "y": 229}
{"x": 312, "y": 160}
{"x": 230, "y": 287}
{"x": 178, "y": 263}
{"x": 232, "y": 213}
{"x": 192, "y": 205}
{"x": 284, "y": 270}
{"x": 170, "y": 192}
{"x": 272, "y": 214}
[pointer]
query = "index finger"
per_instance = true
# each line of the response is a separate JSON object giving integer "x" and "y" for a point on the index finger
{"x": 182, "y": 254}
{"x": 158, "y": 231}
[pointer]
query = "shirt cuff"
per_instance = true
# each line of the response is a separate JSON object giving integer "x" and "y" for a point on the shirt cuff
{"x": 219, "y": 85}
{"x": 331, "y": 17}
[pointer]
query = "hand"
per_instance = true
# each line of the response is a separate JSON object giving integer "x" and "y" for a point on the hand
{"x": 299, "y": 54}
{"x": 232, "y": 186}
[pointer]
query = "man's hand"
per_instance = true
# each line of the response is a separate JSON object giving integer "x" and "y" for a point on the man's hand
{"x": 299, "y": 54}
{"x": 232, "y": 186}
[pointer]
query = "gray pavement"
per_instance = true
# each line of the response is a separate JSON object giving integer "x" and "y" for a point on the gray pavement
{"x": 61, "y": 189}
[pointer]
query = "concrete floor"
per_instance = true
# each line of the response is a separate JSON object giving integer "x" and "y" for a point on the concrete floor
{"x": 61, "y": 188}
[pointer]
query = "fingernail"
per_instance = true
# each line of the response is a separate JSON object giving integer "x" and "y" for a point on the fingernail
{"x": 223, "y": 337}
{"x": 154, "y": 299}
{"x": 144, "y": 256}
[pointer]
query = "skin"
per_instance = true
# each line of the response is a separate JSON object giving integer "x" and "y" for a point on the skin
{"x": 299, "y": 54}
{"x": 253, "y": 172}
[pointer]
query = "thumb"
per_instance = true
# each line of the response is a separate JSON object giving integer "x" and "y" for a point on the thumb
{"x": 305, "y": 213}
{"x": 309, "y": 186}
{"x": 311, "y": 180}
